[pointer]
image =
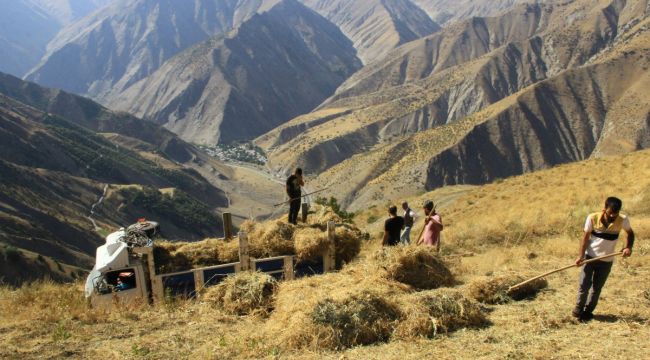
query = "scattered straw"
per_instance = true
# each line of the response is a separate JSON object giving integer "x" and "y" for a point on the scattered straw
{"x": 417, "y": 266}
{"x": 495, "y": 290}
{"x": 243, "y": 293}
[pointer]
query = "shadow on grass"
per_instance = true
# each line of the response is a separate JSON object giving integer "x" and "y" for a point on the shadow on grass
{"x": 611, "y": 318}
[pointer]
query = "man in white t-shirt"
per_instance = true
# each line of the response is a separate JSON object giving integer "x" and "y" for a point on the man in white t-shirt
{"x": 601, "y": 235}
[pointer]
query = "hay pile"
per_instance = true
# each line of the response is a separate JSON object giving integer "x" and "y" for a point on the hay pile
{"x": 359, "y": 319}
{"x": 265, "y": 239}
{"x": 244, "y": 293}
{"x": 361, "y": 305}
{"x": 495, "y": 290}
{"x": 417, "y": 266}
{"x": 441, "y": 311}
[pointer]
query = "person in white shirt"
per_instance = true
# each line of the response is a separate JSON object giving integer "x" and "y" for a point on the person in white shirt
{"x": 409, "y": 219}
{"x": 601, "y": 235}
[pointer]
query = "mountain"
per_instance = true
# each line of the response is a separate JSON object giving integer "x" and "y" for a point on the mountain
{"x": 129, "y": 40}
{"x": 447, "y": 12}
{"x": 275, "y": 66}
{"x": 27, "y": 26}
{"x": 376, "y": 26}
{"x": 64, "y": 158}
{"x": 366, "y": 132}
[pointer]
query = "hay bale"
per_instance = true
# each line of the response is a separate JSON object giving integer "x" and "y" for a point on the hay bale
{"x": 273, "y": 238}
{"x": 310, "y": 243}
{"x": 360, "y": 319}
{"x": 417, "y": 266}
{"x": 347, "y": 241}
{"x": 302, "y": 317}
{"x": 430, "y": 313}
{"x": 244, "y": 293}
{"x": 495, "y": 290}
{"x": 228, "y": 251}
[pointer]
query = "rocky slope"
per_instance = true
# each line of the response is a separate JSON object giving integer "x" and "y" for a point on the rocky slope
{"x": 26, "y": 27}
{"x": 446, "y": 12}
{"x": 376, "y": 26}
{"x": 275, "y": 66}
{"x": 129, "y": 40}
{"x": 54, "y": 169}
{"x": 380, "y": 119}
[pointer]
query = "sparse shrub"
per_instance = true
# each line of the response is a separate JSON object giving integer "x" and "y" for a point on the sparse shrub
{"x": 333, "y": 203}
{"x": 12, "y": 254}
{"x": 372, "y": 219}
{"x": 60, "y": 332}
{"x": 40, "y": 258}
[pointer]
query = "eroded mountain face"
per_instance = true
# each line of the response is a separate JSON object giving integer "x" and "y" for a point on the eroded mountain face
{"x": 277, "y": 65}
{"x": 27, "y": 26}
{"x": 376, "y": 112}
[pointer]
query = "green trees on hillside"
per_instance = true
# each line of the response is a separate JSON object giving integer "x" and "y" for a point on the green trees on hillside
{"x": 180, "y": 209}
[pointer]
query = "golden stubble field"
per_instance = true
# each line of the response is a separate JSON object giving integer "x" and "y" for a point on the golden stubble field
{"x": 524, "y": 225}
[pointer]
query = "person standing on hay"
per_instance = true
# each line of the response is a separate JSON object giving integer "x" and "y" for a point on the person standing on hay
{"x": 294, "y": 184}
{"x": 392, "y": 227}
{"x": 432, "y": 226}
{"x": 601, "y": 235}
{"x": 409, "y": 219}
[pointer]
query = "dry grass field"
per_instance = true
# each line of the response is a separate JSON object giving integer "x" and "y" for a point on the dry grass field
{"x": 523, "y": 225}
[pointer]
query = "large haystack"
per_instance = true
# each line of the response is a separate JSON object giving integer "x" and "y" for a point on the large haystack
{"x": 495, "y": 290}
{"x": 266, "y": 239}
{"x": 417, "y": 266}
{"x": 243, "y": 293}
{"x": 439, "y": 311}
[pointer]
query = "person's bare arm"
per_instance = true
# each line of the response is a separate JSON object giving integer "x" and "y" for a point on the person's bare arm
{"x": 627, "y": 250}
{"x": 583, "y": 248}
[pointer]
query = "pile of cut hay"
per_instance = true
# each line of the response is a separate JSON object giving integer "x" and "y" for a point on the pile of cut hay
{"x": 244, "y": 293}
{"x": 440, "y": 311}
{"x": 360, "y": 305}
{"x": 417, "y": 266}
{"x": 310, "y": 243}
{"x": 495, "y": 290}
{"x": 265, "y": 239}
{"x": 358, "y": 319}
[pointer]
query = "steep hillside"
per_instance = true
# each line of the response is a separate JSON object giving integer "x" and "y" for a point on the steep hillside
{"x": 27, "y": 26}
{"x": 129, "y": 40}
{"x": 523, "y": 226}
{"x": 594, "y": 110}
{"x": 375, "y": 26}
{"x": 449, "y": 11}
{"x": 275, "y": 66}
{"x": 65, "y": 183}
{"x": 540, "y": 45}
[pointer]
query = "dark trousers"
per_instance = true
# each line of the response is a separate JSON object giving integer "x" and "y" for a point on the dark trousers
{"x": 294, "y": 209}
{"x": 592, "y": 280}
